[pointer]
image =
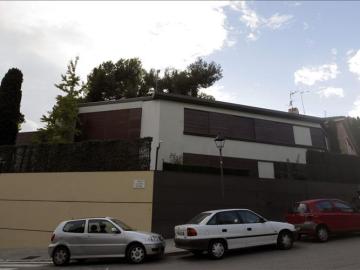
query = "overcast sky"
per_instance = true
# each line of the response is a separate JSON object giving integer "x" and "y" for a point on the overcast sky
{"x": 266, "y": 49}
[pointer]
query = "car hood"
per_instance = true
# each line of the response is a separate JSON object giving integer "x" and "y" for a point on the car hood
{"x": 278, "y": 226}
{"x": 142, "y": 234}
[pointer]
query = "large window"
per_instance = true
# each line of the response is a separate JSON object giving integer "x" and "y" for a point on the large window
{"x": 324, "y": 206}
{"x": 249, "y": 217}
{"x": 318, "y": 137}
{"x": 225, "y": 218}
{"x": 342, "y": 207}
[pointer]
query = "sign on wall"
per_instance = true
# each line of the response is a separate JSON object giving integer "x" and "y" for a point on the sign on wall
{"x": 139, "y": 184}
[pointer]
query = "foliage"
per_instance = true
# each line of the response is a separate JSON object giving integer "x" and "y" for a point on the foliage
{"x": 10, "y": 99}
{"x": 127, "y": 78}
{"x": 77, "y": 157}
{"x": 61, "y": 122}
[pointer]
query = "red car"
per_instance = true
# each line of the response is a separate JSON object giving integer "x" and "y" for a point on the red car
{"x": 321, "y": 217}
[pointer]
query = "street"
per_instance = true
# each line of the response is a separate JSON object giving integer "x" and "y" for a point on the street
{"x": 339, "y": 253}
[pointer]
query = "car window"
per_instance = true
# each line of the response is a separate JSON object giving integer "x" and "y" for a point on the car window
{"x": 324, "y": 206}
{"x": 77, "y": 226}
{"x": 226, "y": 217}
{"x": 198, "y": 218}
{"x": 300, "y": 208}
{"x": 100, "y": 226}
{"x": 343, "y": 207}
{"x": 249, "y": 217}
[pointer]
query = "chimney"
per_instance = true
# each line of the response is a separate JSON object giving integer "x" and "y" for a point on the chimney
{"x": 294, "y": 110}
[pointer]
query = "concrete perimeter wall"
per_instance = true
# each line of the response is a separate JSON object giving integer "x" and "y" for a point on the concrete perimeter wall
{"x": 33, "y": 204}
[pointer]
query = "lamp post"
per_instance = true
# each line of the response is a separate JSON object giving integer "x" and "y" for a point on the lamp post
{"x": 220, "y": 142}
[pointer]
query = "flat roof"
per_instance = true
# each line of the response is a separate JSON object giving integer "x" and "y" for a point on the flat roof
{"x": 214, "y": 104}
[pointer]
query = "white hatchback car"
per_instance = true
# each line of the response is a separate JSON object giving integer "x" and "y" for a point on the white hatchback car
{"x": 220, "y": 230}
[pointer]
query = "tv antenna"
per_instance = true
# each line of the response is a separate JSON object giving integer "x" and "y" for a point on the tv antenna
{"x": 302, "y": 101}
{"x": 292, "y": 93}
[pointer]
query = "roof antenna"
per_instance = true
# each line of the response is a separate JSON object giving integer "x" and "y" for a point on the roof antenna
{"x": 302, "y": 101}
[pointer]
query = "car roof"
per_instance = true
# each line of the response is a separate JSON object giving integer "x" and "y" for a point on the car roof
{"x": 87, "y": 218}
{"x": 318, "y": 200}
{"x": 221, "y": 210}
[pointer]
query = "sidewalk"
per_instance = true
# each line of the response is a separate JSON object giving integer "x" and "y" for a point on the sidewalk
{"x": 40, "y": 254}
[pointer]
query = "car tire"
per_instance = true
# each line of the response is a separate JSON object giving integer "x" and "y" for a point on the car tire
{"x": 61, "y": 256}
{"x": 136, "y": 254}
{"x": 285, "y": 240}
{"x": 322, "y": 233}
{"x": 217, "y": 249}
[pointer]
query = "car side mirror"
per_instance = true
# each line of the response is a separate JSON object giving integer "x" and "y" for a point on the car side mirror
{"x": 262, "y": 220}
{"x": 114, "y": 230}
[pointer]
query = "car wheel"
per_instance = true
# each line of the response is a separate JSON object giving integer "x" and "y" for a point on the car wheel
{"x": 217, "y": 249}
{"x": 322, "y": 233}
{"x": 61, "y": 256}
{"x": 285, "y": 240}
{"x": 136, "y": 254}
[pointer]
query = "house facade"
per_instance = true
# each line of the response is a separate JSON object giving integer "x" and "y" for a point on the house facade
{"x": 258, "y": 141}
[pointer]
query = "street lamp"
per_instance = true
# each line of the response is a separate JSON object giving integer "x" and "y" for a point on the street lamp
{"x": 220, "y": 142}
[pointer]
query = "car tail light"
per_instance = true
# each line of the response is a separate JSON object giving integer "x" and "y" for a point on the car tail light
{"x": 53, "y": 237}
{"x": 191, "y": 232}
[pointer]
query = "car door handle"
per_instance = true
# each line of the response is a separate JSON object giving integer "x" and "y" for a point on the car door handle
{"x": 224, "y": 230}
{"x": 249, "y": 229}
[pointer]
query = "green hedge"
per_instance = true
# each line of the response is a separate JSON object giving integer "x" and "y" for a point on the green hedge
{"x": 77, "y": 157}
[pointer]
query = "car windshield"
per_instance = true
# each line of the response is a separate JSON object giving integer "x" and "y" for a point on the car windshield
{"x": 198, "y": 218}
{"x": 122, "y": 225}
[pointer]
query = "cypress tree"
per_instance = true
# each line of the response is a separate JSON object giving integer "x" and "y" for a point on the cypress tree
{"x": 10, "y": 99}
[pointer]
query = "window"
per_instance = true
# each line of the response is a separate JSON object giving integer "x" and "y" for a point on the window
{"x": 198, "y": 218}
{"x": 122, "y": 225}
{"x": 342, "y": 207}
{"x": 324, "y": 206}
{"x": 100, "y": 226}
{"x": 77, "y": 226}
{"x": 300, "y": 208}
{"x": 224, "y": 218}
{"x": 249, "y": 217}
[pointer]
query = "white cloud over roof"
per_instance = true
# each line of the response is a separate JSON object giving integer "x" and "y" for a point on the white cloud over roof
{"x": 354, "y": 63}
{"x": 311, "y": 75}
{"x": 328, "y": 92}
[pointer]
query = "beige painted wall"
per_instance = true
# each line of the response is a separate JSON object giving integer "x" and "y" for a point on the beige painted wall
{"x": 33, "y": 204}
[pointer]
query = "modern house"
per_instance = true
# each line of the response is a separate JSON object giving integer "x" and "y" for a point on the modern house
{"x": 257, "y": 139}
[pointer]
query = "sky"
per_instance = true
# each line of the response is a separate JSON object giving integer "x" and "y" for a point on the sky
{"x": 266, "y": 49}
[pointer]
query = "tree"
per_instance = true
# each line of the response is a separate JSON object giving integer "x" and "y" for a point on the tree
{"x": 61, "y": 122}
{"x": 10, "y": 99}
{"x": 127, "y": 78}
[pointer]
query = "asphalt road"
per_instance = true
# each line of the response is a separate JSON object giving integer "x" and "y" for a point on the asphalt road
{"x": 339, "y": 253}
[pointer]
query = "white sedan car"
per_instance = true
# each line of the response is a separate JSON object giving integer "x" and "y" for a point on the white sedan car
{"x": 220, "y": 230}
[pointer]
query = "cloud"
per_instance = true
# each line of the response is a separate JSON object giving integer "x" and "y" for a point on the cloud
{"x": 310, "y": 75}
{"x": 255, "y": 22}
{"x": 305, "y": 26}
{"x": 41, "y": 37}
{"x": 328, "y": 92}
{"x": 219, "y": 93}
{"x": 355, "y": 112}
{"x": 354, "y": 63}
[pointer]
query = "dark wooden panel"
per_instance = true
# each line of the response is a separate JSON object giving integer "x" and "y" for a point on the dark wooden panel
{"x": 111, "y": 125}
{"x": 196, "y": 122}
{"x": 318, "y": 137}
{"x": 274, "y": 132}
{"x": 231, "y": 126}
{"x": 228, "y": 162}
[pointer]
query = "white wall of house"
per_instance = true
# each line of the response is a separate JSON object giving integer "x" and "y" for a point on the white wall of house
{"x": 175, "y": 141}
{"x": 266, "y": 170}
{"x": 302, "y": 135}
{"x": 163, "y": 120}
